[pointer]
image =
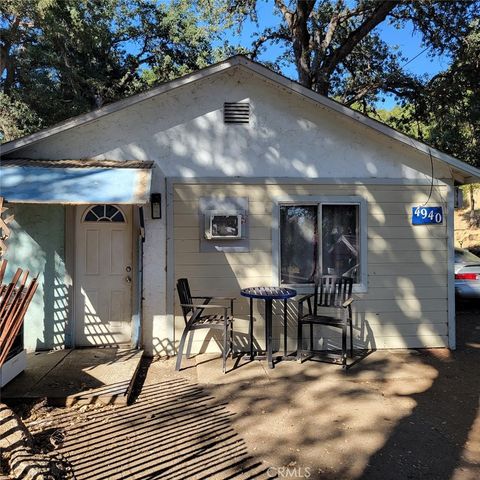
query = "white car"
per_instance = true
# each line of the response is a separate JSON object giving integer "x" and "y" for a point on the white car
{"x": 467, "y": 274}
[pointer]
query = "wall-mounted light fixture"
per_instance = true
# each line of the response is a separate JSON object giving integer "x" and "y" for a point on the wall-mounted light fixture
{"x": 156, "y": 205}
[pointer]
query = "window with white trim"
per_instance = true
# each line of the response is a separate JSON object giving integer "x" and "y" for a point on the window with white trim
{"x": 321, "y": 238}
{"x": 104, "y": 213}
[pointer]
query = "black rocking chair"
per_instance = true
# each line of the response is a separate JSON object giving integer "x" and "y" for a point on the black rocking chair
{"x": 333, "y": 295}
{"x": 193, "y": 314}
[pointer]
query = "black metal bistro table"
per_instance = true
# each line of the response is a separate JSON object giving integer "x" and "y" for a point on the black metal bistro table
{"x": 268, "y": 294}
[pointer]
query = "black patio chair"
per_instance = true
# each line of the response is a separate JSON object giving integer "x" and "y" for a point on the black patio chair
{"x": 193, "y": 309}
{"x": 332, "y": 306}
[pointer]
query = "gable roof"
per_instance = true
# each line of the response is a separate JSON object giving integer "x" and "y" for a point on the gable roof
{"x": 470, "y": 173}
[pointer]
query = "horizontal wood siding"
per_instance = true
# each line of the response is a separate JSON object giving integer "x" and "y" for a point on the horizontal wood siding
{"x": 406, "y": 301}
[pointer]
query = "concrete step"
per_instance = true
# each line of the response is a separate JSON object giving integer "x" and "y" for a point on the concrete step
{"x": 79, "y": 376}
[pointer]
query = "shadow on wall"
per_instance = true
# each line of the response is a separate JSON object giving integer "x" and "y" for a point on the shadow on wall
{"x": 407, "y": 287}
{"x": 324, "y": 339}
{"x": 162, "y": 344}
{"x": 195, "y": 142}
{"x": 406, "y": 301}
{"x": 37, "y": 244}
{"x": 405, "y": 305}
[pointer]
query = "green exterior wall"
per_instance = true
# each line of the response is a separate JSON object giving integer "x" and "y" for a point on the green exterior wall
{"x": 37, "y": 243}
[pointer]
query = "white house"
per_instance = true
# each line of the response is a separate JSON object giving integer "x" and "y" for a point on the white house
{"x": 310, "y": 187}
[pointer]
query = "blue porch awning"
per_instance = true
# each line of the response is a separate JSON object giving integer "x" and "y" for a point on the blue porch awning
{"x": 75, "y": 181}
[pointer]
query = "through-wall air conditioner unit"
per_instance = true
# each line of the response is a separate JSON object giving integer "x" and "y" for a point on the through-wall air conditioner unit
{"x": 222, "y": 225}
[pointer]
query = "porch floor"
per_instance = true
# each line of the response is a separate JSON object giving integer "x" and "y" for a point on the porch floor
{"x": 79, "y": 376}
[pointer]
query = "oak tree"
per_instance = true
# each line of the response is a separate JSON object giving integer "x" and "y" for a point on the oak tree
{"x": 60, "y": 58}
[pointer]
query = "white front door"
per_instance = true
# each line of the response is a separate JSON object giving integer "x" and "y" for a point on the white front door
{"x": 103, "y": 275}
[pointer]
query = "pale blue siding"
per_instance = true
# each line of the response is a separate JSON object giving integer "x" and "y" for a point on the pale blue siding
{"x": 37, "y": 243}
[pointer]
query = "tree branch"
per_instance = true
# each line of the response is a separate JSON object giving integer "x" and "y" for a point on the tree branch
{"x": 9, "y": 37}
{"x": 266, "y": 37}
{"x": 287, "y": 14}
{"x": 338, "y": 18}
{"x": 297, "y": 23}
{"x": 359, "y": 93}
{"x": 378, "y": 15}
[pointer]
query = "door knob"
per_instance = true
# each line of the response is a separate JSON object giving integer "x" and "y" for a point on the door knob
{"x": 128, "y": 279}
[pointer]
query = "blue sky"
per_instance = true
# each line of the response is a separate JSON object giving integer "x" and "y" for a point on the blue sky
{"x": 408, "y": 41}
{"x": 410, "y": 44}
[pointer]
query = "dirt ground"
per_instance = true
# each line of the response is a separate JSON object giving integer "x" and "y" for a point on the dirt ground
{"x": 395, "y": 415}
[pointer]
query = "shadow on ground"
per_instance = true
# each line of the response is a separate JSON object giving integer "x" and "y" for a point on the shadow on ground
{"x": 173, "y": 431}
{"x": 396, "y": 415}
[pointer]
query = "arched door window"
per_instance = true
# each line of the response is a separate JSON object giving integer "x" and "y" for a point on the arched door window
{"x": 104, "y": 213}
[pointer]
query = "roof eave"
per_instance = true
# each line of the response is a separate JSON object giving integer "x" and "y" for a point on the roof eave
{"x": 88, "y": 117}
{"x": 467, "y": 171}
{"x": 470, "y": 179}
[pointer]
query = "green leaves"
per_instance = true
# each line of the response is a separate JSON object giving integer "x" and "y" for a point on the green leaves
{"x": 446, "y": 111}
{"x": 60, "y": 58}
{"x": 64, "y": 57}
{"x": 16, "y": 119}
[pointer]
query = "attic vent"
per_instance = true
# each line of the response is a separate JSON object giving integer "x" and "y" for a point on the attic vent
{"x": 236, "y": 112}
